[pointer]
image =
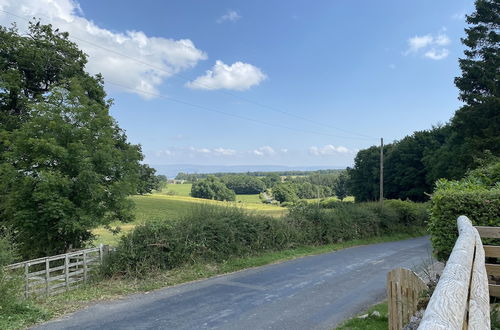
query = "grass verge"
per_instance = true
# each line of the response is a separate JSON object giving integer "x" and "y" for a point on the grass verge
{"x": 371, "y": 322}
{"x": 115, "y": 288}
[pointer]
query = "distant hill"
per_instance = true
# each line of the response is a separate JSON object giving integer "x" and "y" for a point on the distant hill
{"x": 173, "y": 169}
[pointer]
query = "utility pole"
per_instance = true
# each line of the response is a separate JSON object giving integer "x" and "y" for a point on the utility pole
{"x": 381, "y": 170}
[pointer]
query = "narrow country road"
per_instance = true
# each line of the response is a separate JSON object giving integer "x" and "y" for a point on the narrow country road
{"x": 316, "y": 292}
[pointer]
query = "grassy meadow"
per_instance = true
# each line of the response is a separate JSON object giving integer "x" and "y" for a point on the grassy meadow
{"x": 173, "y": 202}
{"x": 183, "y": 189}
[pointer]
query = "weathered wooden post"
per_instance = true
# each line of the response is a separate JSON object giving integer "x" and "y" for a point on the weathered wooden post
{"x": 47, "y": 276}
{"x": 404, "y": 289}
{"x": 84, "y": 267}
{"x": 26, "y": 279}
{"x": 66, "y": 271}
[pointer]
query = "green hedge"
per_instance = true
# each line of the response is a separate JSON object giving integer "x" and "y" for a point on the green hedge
{"x": 452, "y": 199}
{"x": 214, "y": 234}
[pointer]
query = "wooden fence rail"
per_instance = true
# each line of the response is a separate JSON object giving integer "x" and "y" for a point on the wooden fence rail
{"x": 56, "y": 274}
{"x": 461, "y": 298}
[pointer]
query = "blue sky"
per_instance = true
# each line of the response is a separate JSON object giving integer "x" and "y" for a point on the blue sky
{"x": 317, "y": 81}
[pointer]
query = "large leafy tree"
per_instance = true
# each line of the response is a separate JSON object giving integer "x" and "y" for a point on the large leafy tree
{"x": 364, "y": 176}
{"x": 244, "y": 184}
{"x": 341, "y": 187}
{"x": 476, "y": 125}
{"x": 212, "y": 188}
{"x": 65, "y": 165}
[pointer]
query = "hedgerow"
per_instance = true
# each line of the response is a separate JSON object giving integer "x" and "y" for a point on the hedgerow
{"x": 215, "y": 234}
{"x": 454, "y": 198}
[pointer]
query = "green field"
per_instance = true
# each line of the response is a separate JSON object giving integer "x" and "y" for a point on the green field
{"x": 183, "y": 189}
{"x": 248, "y": 199}
{"x": 168, "y": 207}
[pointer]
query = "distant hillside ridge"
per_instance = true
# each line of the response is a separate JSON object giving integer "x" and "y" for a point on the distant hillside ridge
{"x": 172, "y": 170}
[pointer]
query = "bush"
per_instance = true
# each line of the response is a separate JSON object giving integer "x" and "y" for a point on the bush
{"x": 244, "y": 184}
{"x": 214, "y": 233}
{"x": 208, "y": 233}
{"x": 212, "y": 188}
{"x": 452, "y": 199}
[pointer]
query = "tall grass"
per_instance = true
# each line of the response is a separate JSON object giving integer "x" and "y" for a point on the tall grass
{"x": 215, "y": 234}
{"x": 15, "y": 311}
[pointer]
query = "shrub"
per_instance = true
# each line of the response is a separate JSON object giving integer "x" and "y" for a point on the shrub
{"x": 214, "y": 233}
{"x": 454, "y": 198}
{"x": 212, "y": 188}
{"x": 208, "y": 233}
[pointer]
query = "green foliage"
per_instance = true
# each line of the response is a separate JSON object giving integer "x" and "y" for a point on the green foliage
{"x": 365, "y": 175}
{"x": 271, "y": 179}
{"x": 207, "y": 233}
{"x": 416, "y": 162}
{"x": 372, "y": 322}
{"x": 65, "y": 165}
{"x": 244, "y": 184}
{"x": 341, "y": 187}
{"x": 212, "y": 188}
{"x": 148, "y": 181}
{"x": 214, "y": 234}
{"x": 477, "y": 196}
{"x": 285, "y": 192}
{"x": 454, "y": 198}
{"x": 13, "y": 307}
{"x": 479, "y": 80}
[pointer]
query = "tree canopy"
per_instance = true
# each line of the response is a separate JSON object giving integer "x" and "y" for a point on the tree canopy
{"x": 212, "y": 188}
{"x": 66, "y": 167}
{"x": 413, "y": 164}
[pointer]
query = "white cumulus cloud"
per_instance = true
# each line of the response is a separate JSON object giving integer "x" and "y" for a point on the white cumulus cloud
{"x": 264, "y": 151}
{"x": 164, "y": 57}
{"x": 238, "y": 76}
{"x": 328, "y": 150}
{"x": 432, "y": 46}
{"x": 230, "y": 15}
{"x": 224, "y": 152}
{"x": 214, "y": 152}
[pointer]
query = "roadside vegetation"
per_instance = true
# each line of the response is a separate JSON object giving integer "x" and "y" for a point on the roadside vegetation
{"x": 104, "y": 288}
{"x": 375, "y": 318}
{"x": 68, "y": 175}
{"x": 215, "y": 234}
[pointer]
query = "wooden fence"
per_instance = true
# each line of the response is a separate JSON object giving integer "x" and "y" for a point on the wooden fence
{"x": 56, "y": 274}
{"x": 404, "y": 289}
{"x": 461, "y": 298}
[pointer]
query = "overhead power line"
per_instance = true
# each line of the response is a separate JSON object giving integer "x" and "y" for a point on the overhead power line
{"x": 210, "y": 109}
{"x": 179, "y": 76}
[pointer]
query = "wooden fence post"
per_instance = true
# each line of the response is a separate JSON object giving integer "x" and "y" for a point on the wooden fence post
{"x": 404, "y": 288}
{"x": 66, "y": 271}
{"x": 84, "y": 267}
{"x": 101, "y": 250}
{"x": 26, "y": 279}
{"x": 47, "y": 275}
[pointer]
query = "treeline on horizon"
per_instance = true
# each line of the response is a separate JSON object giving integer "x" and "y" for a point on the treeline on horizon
{"x": 282, "y": 189}
{"x": 196, "y": 176}
{"x": 471, "y": 137}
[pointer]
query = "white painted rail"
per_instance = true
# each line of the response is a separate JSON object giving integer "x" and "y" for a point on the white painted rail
{"x": 461, "y": 298}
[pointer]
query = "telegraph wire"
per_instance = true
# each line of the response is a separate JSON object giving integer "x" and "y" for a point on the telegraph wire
{"x": 179, "y": 76}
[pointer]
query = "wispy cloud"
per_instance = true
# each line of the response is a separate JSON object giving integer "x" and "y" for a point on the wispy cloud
{"x": 432, "y": 46}
{"x": 264, "y": 151}
{"x": 165, "y": 56}
{"x": 328, "y": 150}
{"x": 212, "y": 151}
{"x": 229, "y": 16}
{"x": 239, "y": 76}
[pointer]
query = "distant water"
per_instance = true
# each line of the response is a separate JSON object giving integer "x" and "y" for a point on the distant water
{"x": 173, "y": 169}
